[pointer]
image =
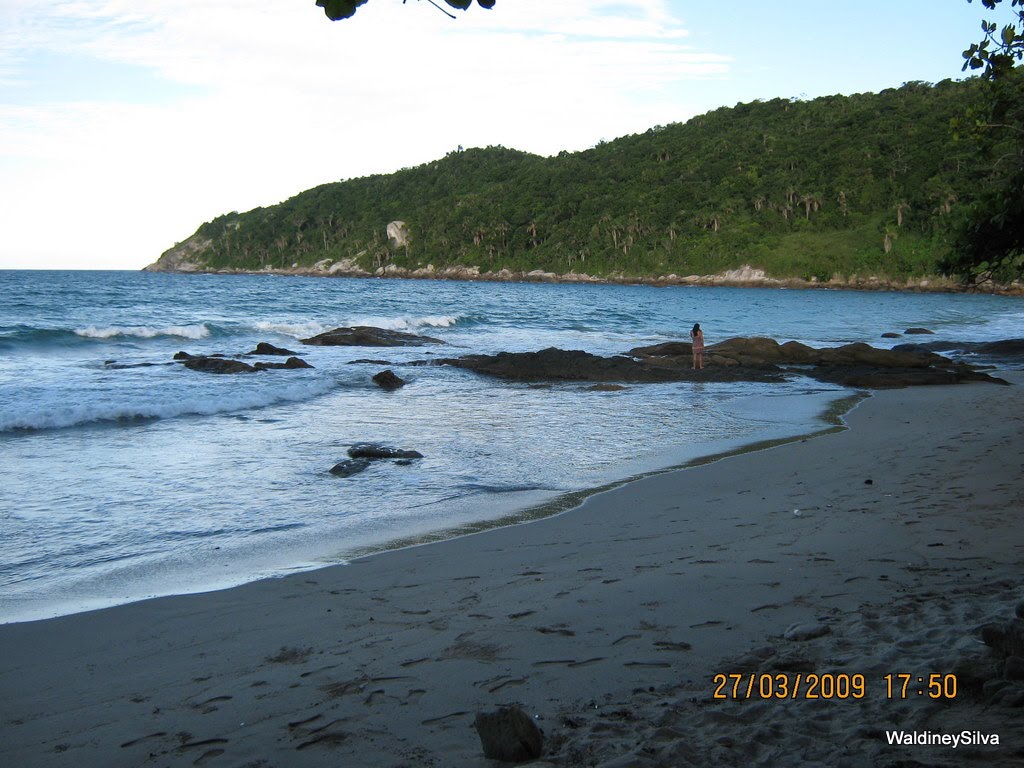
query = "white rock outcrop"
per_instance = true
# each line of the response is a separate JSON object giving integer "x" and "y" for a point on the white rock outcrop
{"x": 398, "y": 234}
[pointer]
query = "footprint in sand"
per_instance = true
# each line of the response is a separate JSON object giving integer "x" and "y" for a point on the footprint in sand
{"x": 133, "y": 742}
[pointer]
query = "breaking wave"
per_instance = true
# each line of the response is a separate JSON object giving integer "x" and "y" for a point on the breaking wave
{"x": 195, "y": 332}
{"x": 63, "y": 414}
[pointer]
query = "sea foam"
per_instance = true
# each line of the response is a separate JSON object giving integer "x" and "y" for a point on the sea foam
{"x": 195, "y": 332}
{"x": 408, "y": 322}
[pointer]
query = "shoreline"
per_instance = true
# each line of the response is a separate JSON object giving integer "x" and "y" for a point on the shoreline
{"x": 607, "y": 622}
{"x": 743, "y": 277}
{"x": 829, "y": 419}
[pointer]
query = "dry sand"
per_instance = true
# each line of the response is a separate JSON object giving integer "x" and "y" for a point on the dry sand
{"x": 899, "y": 536}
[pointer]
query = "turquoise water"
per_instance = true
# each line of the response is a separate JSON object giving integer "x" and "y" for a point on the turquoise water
{"x": 124, "y": 483}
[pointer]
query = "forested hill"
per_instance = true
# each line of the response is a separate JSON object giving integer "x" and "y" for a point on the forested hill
{"x": 841, "y": 185}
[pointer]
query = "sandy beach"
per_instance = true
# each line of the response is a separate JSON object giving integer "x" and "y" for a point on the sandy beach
{"x": 877, "y": 550}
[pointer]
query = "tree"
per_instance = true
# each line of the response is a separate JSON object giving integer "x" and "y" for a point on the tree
{"x": 997, "y": 52}
{"x": 990, "y": 244}
{"x": 343, "y": 9}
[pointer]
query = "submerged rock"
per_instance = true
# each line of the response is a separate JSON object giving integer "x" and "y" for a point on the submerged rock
{"x": 368, "y": 336}
{"x": 349, "y": 467}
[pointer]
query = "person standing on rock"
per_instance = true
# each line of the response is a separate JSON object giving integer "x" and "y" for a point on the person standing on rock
{"x": 697, "y": 336}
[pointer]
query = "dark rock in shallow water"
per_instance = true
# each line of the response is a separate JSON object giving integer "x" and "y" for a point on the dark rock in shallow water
{"x": 509, "y": 734}
{"x": 114, "y": 365}
{"x": 263, "y": 348}
{"x": 388, "y": 380}
{"x": 740, "y": 359}
{"x": 367, "y": 336}
{"x": 554, "y": 364}
{"x": 217, "y": 365}
{"x": 349, "y": 467}
{"x": 919, "y": 331}
{"x": 291, "y": 362}
{"x": 891, "y": 335}
{"x": 1009, "y": 350}
{"x": 375, "y": 451}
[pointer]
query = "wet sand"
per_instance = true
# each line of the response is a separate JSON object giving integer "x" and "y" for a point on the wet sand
{"x": 877, "y": 550}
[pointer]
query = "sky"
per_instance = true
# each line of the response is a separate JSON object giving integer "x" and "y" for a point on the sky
{"x": 125, "y": 124}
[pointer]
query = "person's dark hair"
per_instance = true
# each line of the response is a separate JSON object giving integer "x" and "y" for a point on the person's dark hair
{"x": 696, "y": 328}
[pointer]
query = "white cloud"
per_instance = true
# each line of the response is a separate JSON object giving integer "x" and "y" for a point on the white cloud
{"x": 282, "y": 99}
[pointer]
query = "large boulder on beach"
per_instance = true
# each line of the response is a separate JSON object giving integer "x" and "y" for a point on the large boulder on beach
{"x": 368, "y": 336}
{"x": 509, "y": 734}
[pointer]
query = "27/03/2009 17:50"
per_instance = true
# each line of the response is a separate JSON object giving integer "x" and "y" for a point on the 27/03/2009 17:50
{"x": 828, "y": 685}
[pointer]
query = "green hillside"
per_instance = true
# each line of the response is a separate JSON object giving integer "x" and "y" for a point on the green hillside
{"x": 841, "y": 185}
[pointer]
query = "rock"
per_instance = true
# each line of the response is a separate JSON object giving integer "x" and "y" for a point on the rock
{"x": 398, "y": 234}
{"x": 1013, "y": 668}
{"x": 347, "y": 267}
{"x": 291, "y": 362}
{"x": 739, "y": 359}
{"x": 554, "y": 364}
{"x": 1005, "y": 693}
{"x": 388, "y": 380}
{"x": 217, "y": 365}
{"x": 1018, "y": 610}
{"x": 114, "y": 365}
{"x": 972, "y": 672}
{"x": 1005, "y": 639}
{"x": 1007, "y": 350}
{"x": 891, "y": 335}
{"x": 919, "y": 331}
{"x": 367, "y": 336}
{"x": 801, "y": 632}
{"x": 349, "y": 467}
{"x": 668, "y": 349}
{"x": 263, "y": 348}
{"x": 509, "y": 734}
{"x": 375, "y": 451}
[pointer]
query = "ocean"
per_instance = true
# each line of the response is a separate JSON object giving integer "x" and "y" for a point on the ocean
{"x": 127, "y": 476}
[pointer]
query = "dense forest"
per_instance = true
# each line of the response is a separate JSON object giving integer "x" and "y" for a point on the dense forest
{"x": 868, "y": 184}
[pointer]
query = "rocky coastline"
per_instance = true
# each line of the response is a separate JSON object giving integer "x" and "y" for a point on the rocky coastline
{"x": 745, "y": 276}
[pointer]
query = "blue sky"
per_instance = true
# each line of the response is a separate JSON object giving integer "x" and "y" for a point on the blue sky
{"x": 124, "y": 124}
